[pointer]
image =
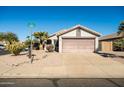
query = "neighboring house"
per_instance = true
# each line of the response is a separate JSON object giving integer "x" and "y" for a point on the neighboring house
{"x": 76, "y": 39}
{"x": 106, "y": 42}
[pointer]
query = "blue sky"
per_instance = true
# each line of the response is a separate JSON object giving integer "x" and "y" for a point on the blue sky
{"x": 102, "y": 19}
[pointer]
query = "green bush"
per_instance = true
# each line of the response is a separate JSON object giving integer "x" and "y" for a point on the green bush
{"x": 50, "y": 48}
{"x": 15, "y": 48}
{"x": 118, "y": 45}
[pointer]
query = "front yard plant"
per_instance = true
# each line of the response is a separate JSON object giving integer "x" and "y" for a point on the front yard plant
{"x": 15, "y": 47}
{"x": 50, "y": 48}
{"x": 42, "y": 37}
{"x": 118, "y": 45}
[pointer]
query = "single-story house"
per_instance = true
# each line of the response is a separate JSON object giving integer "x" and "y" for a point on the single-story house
{"x": 106, "y": 42}
{"x": 76, "y": 39}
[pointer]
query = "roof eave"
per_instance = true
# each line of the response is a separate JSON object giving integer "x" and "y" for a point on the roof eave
{"x": 89, "y": 30}
{"x": 109, "y": 38}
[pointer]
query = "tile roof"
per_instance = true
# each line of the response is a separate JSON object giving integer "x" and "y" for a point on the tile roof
{"x": 111, "y": 36}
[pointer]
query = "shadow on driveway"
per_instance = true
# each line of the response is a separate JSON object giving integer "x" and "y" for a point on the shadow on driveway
{"x": 105, "y": 54}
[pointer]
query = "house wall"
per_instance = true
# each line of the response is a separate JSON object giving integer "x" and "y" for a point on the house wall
{"x": 53, "y": 38}
{"x": 60, "y": 44}
{"x": 86, "y": 34}
{"x": 73, "y": 34}
{"x": 96, "y": 43}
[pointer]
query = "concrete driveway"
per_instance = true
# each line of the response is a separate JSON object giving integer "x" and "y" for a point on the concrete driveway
{"x": 64, "y": 65}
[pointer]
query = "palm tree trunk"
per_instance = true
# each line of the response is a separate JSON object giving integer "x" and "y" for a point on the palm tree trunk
{"x": 41, "y": 42}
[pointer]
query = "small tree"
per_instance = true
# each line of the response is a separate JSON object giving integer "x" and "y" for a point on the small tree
{"x": 10, "y": 37}
{"x": 121, "y": 29}
{"x": 119, "y": 44}
{"x": 1, "y": 36}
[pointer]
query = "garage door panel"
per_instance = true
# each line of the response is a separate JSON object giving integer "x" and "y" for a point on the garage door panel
{"x": 77, "y": 45}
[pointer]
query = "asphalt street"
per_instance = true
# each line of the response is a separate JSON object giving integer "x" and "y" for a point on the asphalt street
{"x": 61, "y": 82}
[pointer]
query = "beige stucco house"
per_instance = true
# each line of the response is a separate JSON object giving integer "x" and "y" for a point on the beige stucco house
{"x": 76, "y": 39}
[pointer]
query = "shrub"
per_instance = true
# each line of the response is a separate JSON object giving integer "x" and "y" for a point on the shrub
{"x": 15, "y": 48}
{"x": 118, "y": 45}
{"x": 50, "y": 48}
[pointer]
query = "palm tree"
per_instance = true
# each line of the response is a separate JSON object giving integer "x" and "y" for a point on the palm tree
{"x": 45, "y": 36}
{"x": 41, "y": 35}
{"x": 121, "y": 29}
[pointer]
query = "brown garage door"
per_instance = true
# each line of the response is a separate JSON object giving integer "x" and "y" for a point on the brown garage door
{"x": 106, "y": 45}
{"x": 77, "y": 45}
